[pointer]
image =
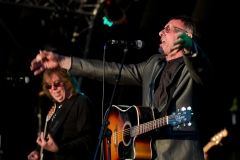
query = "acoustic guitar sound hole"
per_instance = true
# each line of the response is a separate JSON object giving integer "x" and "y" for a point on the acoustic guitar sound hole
{"x": 126, "y": 134}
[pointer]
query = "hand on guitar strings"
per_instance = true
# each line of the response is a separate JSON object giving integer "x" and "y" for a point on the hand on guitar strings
{"x": 34, "y": 155}
{"x": 49, "y": 144}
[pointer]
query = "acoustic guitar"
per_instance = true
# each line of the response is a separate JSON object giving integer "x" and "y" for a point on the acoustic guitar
{"x": 48, "y": 117}
{"x": 215, "y": 140}
{"x": 129, "y": 127}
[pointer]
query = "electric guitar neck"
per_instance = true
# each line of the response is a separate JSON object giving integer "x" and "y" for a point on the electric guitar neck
{"x": 48, "y": 117}
{"x": 215, "y": 140}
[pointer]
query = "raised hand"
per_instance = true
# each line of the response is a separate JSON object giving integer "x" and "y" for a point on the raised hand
{"x": 44, "y": 60}
{"x": 184, "y": 42}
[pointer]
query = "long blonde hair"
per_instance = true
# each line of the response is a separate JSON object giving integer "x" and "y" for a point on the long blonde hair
{"x": 69, "y": 81}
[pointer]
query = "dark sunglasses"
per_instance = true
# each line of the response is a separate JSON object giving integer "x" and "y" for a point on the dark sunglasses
{"x": 55, "y": 84}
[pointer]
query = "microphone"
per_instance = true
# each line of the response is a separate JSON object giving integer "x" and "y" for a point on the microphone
{"x": 138, "y": 44}
{"x": 17, "y": 79}
{"x": 160, "y": 50}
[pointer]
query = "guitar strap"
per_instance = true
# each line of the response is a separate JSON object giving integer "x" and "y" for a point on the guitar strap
{"x": 54, "y": 126}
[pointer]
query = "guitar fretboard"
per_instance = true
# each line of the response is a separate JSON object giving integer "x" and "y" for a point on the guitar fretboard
{"x": 148, "y": 126}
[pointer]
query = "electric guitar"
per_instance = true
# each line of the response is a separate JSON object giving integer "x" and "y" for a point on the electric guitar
{"x": 129, "y": 127}
{"x": 215, "y": 140}
{"x": 48, "y": 117}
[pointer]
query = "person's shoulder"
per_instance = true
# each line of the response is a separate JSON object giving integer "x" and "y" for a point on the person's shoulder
{"x": 81, "y": 97}
{"x": 156, "y": 57}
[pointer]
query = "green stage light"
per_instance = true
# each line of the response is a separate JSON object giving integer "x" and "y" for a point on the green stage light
{"x": 107, "y": 22}
{"x": 113, "y": 15}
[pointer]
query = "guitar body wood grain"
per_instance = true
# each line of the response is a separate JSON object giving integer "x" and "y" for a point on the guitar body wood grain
{"x": 122, "y": 145}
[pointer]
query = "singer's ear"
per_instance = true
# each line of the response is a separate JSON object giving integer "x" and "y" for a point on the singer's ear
{"x": 190, "y": 35}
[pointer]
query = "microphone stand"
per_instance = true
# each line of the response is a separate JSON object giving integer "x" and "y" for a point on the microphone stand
{"x": 107, "y": 132}
{"x": 1, "y": 151}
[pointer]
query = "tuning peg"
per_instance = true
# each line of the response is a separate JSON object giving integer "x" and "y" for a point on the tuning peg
{"x": 183, "y": 109}
{"x": 189, "y": 108}
{"x": 184, "y": 124}
{"x": 189, "y": 123}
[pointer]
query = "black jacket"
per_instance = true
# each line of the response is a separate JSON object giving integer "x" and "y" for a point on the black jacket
{"x": 73, "y": 129}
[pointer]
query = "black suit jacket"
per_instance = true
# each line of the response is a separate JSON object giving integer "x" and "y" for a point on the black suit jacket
{"x": 72, "y": 127}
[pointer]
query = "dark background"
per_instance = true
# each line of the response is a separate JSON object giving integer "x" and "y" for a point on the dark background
{"x": 28, "y": 26}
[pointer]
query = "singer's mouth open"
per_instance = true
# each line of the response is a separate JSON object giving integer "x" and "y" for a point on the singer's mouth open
{"x": 162, "y": 41}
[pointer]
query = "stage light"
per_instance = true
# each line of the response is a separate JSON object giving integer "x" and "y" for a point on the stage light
{"x": 107, "y": 22}
{"x": 113, "y": 15}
